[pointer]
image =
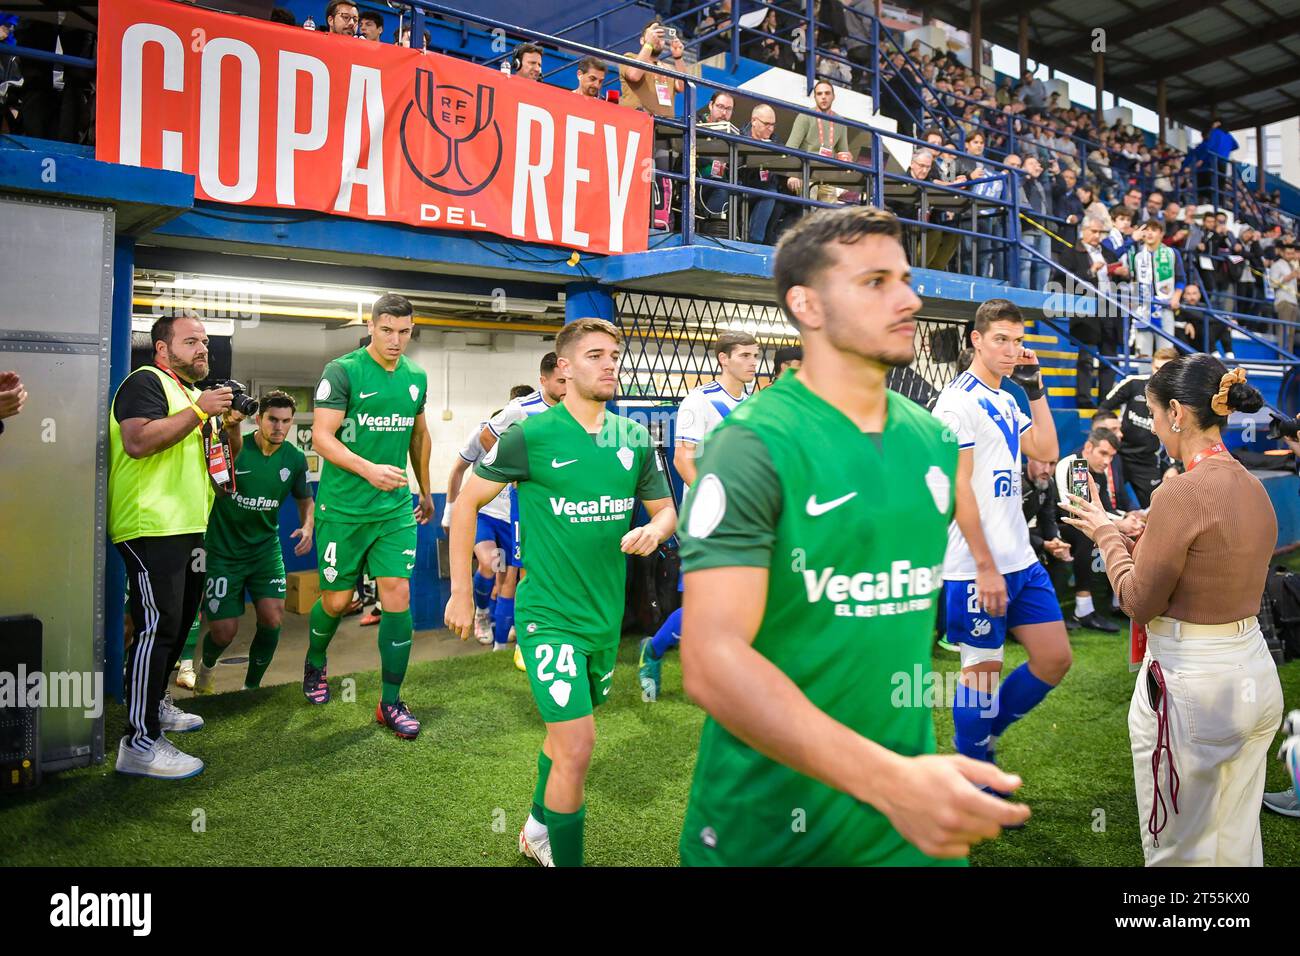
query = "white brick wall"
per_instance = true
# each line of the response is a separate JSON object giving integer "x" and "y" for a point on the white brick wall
{"x": 470, "y": 380}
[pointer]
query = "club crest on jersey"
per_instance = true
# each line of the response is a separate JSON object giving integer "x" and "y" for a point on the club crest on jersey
{"x": 1004, "y": 484}
{"x": 626, "y": 456}
{"x": 415, "y": 392}
{"x": 284, "y": 474}
{"x": 560, "y": 691}
{"x": 940, "y": 488}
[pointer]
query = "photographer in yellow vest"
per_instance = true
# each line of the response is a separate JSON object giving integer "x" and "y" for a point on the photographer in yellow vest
{"x": 163, "y": 447}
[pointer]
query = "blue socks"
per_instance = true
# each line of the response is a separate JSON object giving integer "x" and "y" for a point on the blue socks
{"x": 503, "y": 619}
{"x": 1020, "y": 693}
{"x": 668, "y": 636}
{"x": 980, "y": 719}
{"x": 482, "y": 590}
{"x": 972, "y": 717}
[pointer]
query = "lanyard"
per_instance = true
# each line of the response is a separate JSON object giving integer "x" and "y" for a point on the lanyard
{"x": 1200, "y": 456}
{"x": 216, "y": 447}
{"x": 820, "y": 139}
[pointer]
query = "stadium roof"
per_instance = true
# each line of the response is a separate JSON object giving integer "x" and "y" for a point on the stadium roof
{"x": 1241, "y": 56}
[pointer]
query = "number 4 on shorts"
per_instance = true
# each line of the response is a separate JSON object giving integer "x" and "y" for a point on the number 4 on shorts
{"x": 331, "y": 552}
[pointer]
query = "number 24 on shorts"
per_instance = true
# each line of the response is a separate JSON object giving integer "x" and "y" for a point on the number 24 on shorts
{"x": 564, "y": 663}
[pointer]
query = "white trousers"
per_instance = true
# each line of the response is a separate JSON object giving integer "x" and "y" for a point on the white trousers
{"x": 1224, "y": 705}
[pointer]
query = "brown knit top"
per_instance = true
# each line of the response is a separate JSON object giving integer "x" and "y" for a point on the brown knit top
{"x": 1205, "y": 553}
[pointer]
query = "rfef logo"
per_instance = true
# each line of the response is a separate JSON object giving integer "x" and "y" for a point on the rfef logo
{"x": 457, "y": 117}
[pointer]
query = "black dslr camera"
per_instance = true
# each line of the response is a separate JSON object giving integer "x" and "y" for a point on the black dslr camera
{"x": 1283, "y": 428}
{"x": 241, "y": 401}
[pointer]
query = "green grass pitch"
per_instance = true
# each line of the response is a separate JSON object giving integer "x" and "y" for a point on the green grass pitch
{"x": 291, "y": 784}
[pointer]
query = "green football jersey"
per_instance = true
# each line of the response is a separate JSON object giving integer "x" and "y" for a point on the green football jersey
{"x": 852, "y": 529}
{"x": 577, "y": 495}
{"x": 243, "y": 523}
{"x": 379, "y": 415}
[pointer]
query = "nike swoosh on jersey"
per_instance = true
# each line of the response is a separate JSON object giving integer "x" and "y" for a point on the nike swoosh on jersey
{"x": 243, "y": 472}
{"x": 401, "y": 644}
{"x": 555, "y": 463}
{"x": 815, "y": 508}
{"x": 367, "y": 394}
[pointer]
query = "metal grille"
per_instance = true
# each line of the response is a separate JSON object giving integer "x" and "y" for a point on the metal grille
{"x": 668, "y": 342}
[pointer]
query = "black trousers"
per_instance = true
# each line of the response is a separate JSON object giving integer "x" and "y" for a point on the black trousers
{"x": 1103, "y": 334}
{"x": 1142, "y": 472}
{"x": 1082, "y": 556}
{"x": 165, "y": 591}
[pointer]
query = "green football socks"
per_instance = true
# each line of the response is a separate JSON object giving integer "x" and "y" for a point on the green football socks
{"x": 322, "y": 632}
{"x": 566, "y": 833}
{"x": 539, "y": 792}
{"x": 394, "y": 651}
{"x": 260, "y": 653}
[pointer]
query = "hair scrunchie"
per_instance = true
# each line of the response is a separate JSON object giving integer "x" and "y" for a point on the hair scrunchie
{"x": 1219, "y": 403}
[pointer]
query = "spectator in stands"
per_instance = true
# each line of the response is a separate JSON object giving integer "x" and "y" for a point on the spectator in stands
{"x": 716, "y": 18}
{"x": 1039, "y": 505}
{"x": 1003, "y": 94}
{"x": 591, "y": 76}
{"x": 1156, "y": 272}
{"x": 767, "y": 49}
{"x": 1282, "y": 276}
{"x": 1225, "y": 253}
{"x": 1032, "y": 92}
{"x": 653, "y": 92}
{"x": 1034, "y": 197}
{"x": 404, "y": 37}
{"x": 1067, "y": 205}
{"x": 1098, "y": 450}
{"x": 46, "y": 109}
{"x": 821, "y": 134}
{"x": 1121, "y": 231}
{"x": 341, "y": 18}
{"x": 281, "y": 15}
{"x": 716, "y": 112}
{"x": 766, "y": 216}
{"x": 1250, "y": 291}
{"x": 1198, "y": 327}
{"x": 1093, "y": 262}
{"x": 1176, "y": 225}
{"x": 899, "y": 98}
{"x": 858, "y": 15}
{"x": 1155, "y": 207}
{"x": 11, "y": 76}
{"x": 372, "y": 25}
{"x": 833, "y": 67}
{"x": 527, "y": 61}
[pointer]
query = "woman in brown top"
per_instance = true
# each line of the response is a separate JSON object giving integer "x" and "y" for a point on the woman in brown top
{"x": 1207, "y": 701}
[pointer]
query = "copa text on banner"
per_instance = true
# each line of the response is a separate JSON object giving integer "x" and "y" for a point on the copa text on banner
{"x": 262, "y": 114}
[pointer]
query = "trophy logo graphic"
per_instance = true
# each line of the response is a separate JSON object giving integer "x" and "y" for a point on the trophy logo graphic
{"x": 455, "y": 117}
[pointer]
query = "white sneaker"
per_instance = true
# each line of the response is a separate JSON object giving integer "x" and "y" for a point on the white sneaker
{"x": 1283, "y": 802}
{"x": 204, "y": 678}
{"x": 483, "y": 626}
{"x": 538, "y": 846}
{"x": 173, "y": 718}
{"x": 162, "y": 761}
{"x": 185, "y": 676}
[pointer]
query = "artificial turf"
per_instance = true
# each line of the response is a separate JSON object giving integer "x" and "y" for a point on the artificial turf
{"x": 288, "y": 783}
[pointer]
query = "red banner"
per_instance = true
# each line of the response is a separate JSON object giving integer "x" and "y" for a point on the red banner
{"x": 264, "y": 114}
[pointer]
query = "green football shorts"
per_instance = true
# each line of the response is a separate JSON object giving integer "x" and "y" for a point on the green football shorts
{"x": 568, "y": 682}
{"x": 261, "y": 574}
{"x": 386, "y": 549}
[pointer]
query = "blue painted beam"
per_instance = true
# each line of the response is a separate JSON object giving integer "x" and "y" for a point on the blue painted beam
{"x": 50, "y": 169}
